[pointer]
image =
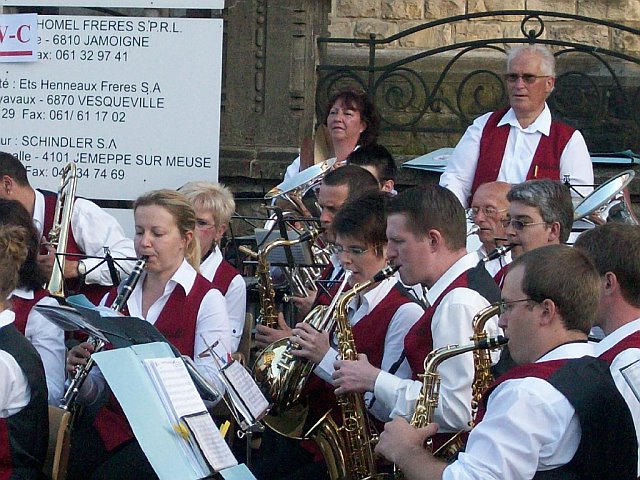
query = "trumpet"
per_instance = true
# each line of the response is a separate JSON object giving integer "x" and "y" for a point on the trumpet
{"x": 59, "y": 233}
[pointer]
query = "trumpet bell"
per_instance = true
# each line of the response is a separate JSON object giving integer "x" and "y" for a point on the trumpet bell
{"x": 609, "y": 202}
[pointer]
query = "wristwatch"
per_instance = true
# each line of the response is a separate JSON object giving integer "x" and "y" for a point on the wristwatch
{"x": 82, "y": 269}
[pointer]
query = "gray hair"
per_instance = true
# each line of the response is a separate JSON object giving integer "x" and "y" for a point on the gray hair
{"x": 552, "y": 199}
{"x": 547, "y": 59}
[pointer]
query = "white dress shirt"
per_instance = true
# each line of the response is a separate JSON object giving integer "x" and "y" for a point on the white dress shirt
{"x": 450, "y": 325}
{"x": 622, "y": 360}
{"x": 48, "y": 340}
{"x": 235, "y": 298}
{"x": 401, "y": 322}
{"x": 521, "y": 146}
{"x": 93, "y": 229}
{"x": 15, "y": 392}
{"x": 212, "y": 324}
{"x": 528, "y": 426}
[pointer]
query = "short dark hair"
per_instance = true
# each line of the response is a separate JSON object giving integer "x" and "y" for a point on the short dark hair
{"x": 364, "y": 218}
{"x": 13, "y": 213}
{"x": 615, "y": 247}
{"x": 357, "y": 179}
{"x": 360, "y": 101}
{"x": 552, "y": 198}
{"x": 565, "y": 275}
{"x": 12, "y": 167}
{"x": 432, "y": 207}
{"x": 377, "y": 156}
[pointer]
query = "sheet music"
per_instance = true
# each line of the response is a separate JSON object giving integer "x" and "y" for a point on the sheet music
{"x": 208, "y": 438}
{"x": 184, "y": 405}
{"x": 631, "y": 374}
{"x": 245, "y": 387}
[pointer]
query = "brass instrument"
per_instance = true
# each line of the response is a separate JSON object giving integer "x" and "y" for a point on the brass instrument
{"x": 59, "y": 233}
{"x": 282, "y": 376}
{"x": 81, "y": 373}
{"x": 355, "y": 430}
{"x": 268, "y": 315}
{"x": 481, "y": 358}
{"x": 609, "y": 202}
{"x": 430, "y": 392}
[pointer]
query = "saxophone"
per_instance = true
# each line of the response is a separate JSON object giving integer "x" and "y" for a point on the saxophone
{"x": 430, "y": 392}
{"x": 481, "y": 359}
{"x": 357, "y": 439}
{"x": 268, "y": 315}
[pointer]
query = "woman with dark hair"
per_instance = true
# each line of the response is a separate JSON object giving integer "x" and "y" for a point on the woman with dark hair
{"x": 352, "y": 121}
{"x": 47, "y": 338}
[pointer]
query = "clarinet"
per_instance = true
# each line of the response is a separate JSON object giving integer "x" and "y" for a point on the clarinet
{"x": 80, "y": 375}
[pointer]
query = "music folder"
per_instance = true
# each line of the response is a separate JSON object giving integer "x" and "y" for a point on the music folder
{"x": 166, "y": 414}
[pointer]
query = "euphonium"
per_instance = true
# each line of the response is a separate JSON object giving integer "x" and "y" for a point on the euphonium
{"x": 70, "y": 395}
{"x": 268, "y": 315}
{"x": 481, "y": 358}
{"x": 59, "y": 233}
{"x": 430, "y": 392}
{"x": 355, "y": 430}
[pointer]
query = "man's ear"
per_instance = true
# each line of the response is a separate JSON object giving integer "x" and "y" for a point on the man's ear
{"x": 549, "y": 311}
{"x": 610, "y": 283}
{"x": 554, "y": 232}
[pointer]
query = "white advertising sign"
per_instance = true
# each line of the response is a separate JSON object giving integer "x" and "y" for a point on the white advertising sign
{"x": 18, "y": 38}
{"x": 200, "y": 4}
{"x": 135, "y": 102}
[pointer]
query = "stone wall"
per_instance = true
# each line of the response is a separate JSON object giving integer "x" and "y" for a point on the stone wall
{"x": 360, "y": 18}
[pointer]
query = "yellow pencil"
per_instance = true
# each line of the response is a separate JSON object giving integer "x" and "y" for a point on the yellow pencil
{"x": 535, "y": 171}
{"x": 181, "y": 430}
{"x": 224, "y": 428}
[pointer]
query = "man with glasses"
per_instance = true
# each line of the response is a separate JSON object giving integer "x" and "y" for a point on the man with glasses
{"x": 615, "y": 250}
{"x": 214, "y": 206}
{"x": 426, "y": 231}
{"x": 521, "y": 142}
{"x": 549, "y": 416}
{"x": 488, "y": 209}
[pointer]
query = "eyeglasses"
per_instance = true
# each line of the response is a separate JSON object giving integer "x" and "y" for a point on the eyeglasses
{"x": 488, "y": 211}
{"x": 518, "y": 224}
{"x": 357, "y": 251}
{"x": 527, "y": 78}
{"x": 504, "y": 306}
{"x": 204, "y": 225}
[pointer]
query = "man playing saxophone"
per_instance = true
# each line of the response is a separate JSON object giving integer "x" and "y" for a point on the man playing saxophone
{"x": 557, "y": 414}
{"x": 426, "y": 231}
{"x": 91, "y": 229}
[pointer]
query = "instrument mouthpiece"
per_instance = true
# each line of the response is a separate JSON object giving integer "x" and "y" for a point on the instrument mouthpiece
{"x": 497, "y": 253}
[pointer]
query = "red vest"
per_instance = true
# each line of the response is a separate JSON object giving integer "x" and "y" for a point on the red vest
{"x": 419, "y": 340}
{"x": 177, "y": 322}
{"x": 546, "y": 159}
{"x": 630, "y": 341}
{"x": 93, "y": 292}
{"x": 326, "y": 291}
{"x": 22, "y": 307}
{"x": 223, "y": 276}
{"x": 500, "y": 276}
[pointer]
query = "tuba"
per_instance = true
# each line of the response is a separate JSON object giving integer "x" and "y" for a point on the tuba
{"x": 356, "y": 433}
{"x": 59, "y": 233}
{"x": 430, "y": 392}
{"x": 481, "y": 358}
{"x": 70, "y": 395}
{"x": 609, "y": 202}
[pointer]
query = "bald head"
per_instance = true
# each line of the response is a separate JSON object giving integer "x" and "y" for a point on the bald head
{"x": 489, "y": 205}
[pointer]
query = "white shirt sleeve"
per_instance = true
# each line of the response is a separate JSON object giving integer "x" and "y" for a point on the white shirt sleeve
{"x": 528, "y": 426}
{"x": 48, "y": 340}
{"x": 15, "y": 393}
{"x": 576, "y": 162}
{"x": 461, "y": 166}
{"x": 293, "y": 169}
{"x": 94, "y": 229}
{"x": 236, "y": 302}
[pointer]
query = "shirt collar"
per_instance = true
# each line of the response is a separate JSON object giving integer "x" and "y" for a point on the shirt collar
{"x": 185, "y": 276}
{"x": 373, "y": 297}
{"x": 38, "y": 213}
{"x": 463, "y": 264}
{"x": 568, "y": 350}
{"x": 6, "y": 317}
{"x": 541, "y": 124}
{"x": 22, "y": 293}
{"x": 618, "y": 334}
